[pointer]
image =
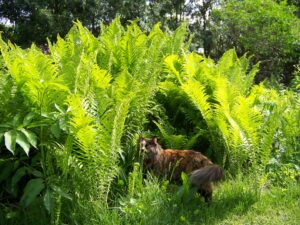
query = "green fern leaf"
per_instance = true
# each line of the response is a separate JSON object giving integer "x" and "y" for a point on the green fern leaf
{"x": 196, "y": 92}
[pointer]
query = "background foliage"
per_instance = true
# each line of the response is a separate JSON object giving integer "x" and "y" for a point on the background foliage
{"x": 268, "y": 30}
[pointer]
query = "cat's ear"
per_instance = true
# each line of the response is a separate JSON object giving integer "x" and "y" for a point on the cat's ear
{"x": 141, "y": 139}
{"x": 154, "y": 140}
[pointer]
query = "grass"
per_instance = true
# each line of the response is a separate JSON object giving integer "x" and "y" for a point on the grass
{"x": 154, "y": 203}
{"x": 235, "y": 202}
{"x": 276, "y": 206}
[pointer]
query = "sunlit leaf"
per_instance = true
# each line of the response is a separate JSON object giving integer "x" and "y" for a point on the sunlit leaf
{"x": 23, "y": 142}
{"x": 31, "y": 137}
{"x": 10, "y": 140}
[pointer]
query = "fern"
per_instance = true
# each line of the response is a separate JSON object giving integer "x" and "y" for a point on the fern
{"x": 221, "y": 94}
{"x": 36, "y": 76}
{"x": 192, "y": 65}
{"x": 197, "y": 94}
{"x": 172, "y": 140}
{"x": 172, "y": 63}
{"x": 9, "y": 94}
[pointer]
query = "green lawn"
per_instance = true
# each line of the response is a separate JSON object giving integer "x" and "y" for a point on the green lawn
{"x": 275, "y": 206}
{"x": 234, "y": 202}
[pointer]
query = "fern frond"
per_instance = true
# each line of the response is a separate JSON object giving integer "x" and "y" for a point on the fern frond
{"x": 8, "y": 93}
{"x": 249, "y": 120}
{"x": 100, "y": 77}
{"x": 176, "y": 41}
{"x": 83, "y": 127}
{"x": 109, "y": 54}
{"x": 167, "y": 131}
{"x": 133, "y": 48}
{"x": 87, "y": 39}
{"x": 236, "y": 70}
{"x": 109, "y": 142}
{"x": 223, "y": 94}
{"x": 37, "y": 76}
{"x": 197, "y": 94}
{"x": 192, "y": 64}
{"x": 173, "y": 66}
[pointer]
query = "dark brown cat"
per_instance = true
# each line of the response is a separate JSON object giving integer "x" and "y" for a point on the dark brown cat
{"x": 169, "y": 162}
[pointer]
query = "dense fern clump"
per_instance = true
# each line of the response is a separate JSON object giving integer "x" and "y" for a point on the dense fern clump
{"x": 242, "y": 120}
{"x": 94, "y": 94}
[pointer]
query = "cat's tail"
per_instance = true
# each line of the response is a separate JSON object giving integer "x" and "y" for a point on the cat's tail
{"x": 206, "y": 175}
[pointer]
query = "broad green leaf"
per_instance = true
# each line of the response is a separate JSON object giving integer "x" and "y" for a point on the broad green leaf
{"x": 49, "y": 200}
{"x": 32, "y": 189}
{"x": 23, "y": 142}
{"x": 28, "y": 118}
{"x": 55, "y": 130}
{"x": 37, "y": 173}
{"x": 31, "y": 137}
{"x": 10, "y": 140}
{"x": 21, "y": 172}
{"x": 16, "y": 120}
{"x": 6, "y": 125}
{"x": 63, "y": 124}
{"x": 34, "y": 172}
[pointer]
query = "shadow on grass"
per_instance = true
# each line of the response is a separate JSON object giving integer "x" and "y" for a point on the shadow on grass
{"x": 236, "y": 204}
{"x": 227, "y": 202}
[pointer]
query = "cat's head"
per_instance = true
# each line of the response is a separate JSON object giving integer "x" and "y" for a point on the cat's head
{"x": 149, "y": 146}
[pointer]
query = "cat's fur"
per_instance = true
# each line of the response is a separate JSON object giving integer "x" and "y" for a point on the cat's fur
{"x": 171, "y": 163}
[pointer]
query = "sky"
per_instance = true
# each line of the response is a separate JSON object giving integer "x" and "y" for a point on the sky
{"x": 5, "y": 22}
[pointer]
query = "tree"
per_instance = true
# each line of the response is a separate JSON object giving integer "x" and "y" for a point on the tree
{"x": 295, "y": 3}
{"x": 169, "y": 13}
{"x": 34, "y": 21}
{"x": 265, "y": 29}
{"x": 200, "y": 23}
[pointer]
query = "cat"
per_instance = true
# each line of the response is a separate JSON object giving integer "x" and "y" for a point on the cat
{"x": 171, "y": 163}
